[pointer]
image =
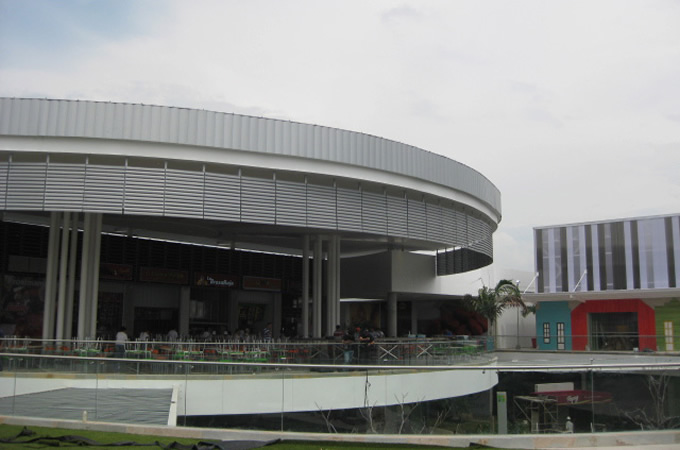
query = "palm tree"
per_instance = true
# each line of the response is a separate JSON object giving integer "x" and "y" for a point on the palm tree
{"x": 490, "y": 303}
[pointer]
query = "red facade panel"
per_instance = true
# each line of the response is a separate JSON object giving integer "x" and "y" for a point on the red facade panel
{"x": 645, "y": 313}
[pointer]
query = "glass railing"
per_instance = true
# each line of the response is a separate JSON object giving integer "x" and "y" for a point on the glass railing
{"x": 607, "y": 342}
{"x": 76, "y": 381}
{"x": 417, "y": 351}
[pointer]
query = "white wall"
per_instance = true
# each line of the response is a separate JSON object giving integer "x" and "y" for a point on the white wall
{"x": 278, "y": 391}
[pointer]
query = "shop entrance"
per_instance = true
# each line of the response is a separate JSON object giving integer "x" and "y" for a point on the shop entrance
{"x": 614, "y": 331}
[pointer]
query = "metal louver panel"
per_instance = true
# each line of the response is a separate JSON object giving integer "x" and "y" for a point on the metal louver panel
{"x": 26, "y": 186}
{"x": 257, "y": 200}
{"x": 435, "y": 226}
{"x": 104, "y": 189}
{"x": 397, "y": 218}
{"x": 453, "y": 223}
{"x": 291, "y": 204}
{"x": 479, "y": 233}
{"x": 417, "y": 219}
{"x": 3, "y": 184}
{"x": 144, "y": 191}
{"x": 222, "y": 197}
{"x": 349, "y": 209}
{"x": 64, "y": 187}
{"x": 183, "y": 193}
{"x": 374, "y": 213}
{"x": 321, "y": 207}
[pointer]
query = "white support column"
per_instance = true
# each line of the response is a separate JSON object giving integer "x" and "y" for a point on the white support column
{"x": 51, "y": 276}
{"x": 318, "y": 287}
{"x": 330, "y": 286}
{"x": 414, "y": 317}
{"x": 85, "y": 262}
{"x": 338, "y": 318}
{"x": 305, "y": 286}
{"x": 185, "y": 310}
{"x": 63, "y": 269}
{"x": 94, "y": 273}
{"x": 71, "y": 287}
{"x": 392, "y": 314}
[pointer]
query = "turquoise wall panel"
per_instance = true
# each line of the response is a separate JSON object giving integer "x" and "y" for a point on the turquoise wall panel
{"x": 553, "y": 313}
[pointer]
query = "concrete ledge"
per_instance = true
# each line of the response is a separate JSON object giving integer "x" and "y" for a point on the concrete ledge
{"x": 666, "y": 439}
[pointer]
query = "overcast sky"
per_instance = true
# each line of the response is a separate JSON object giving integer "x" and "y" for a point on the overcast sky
{"x": 571, "y": 108}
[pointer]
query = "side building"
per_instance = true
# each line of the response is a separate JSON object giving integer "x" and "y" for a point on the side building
{"x": 610, "y": 285}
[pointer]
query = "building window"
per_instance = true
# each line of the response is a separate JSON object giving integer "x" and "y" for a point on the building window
{"x": 546, "y": 332}
{"x": 668, "y": 334}
{"x": 560, "y": 335}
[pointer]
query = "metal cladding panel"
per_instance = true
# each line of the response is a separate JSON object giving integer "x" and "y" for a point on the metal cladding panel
{"x": 201, "y": 127}
{"x": 104, "y": 187}
{"x": 26, "y": 186}
{"x": 291, "y": 204}
{"x": 349, "y": 209}
{"x": 144, "y": 191}
{"x": 435, "y": 225}
{"x": 3, "y": 184}
{"x": 217, "y": 139}
{"x": 270, "y": 136}
{"x": 374, "y": 213}
{"x": 64, "y": 187}
{"x": 258, "y": 200}
{"x": 183, "y": 193}
{"x": 282, "y": 137}
{"x": 397, "y": 217}
{"x": 321, "y": 207}
{"x": 417, "y": 219}
{"x": 222, "y": 197}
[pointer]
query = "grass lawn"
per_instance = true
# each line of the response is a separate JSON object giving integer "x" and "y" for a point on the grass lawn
{"x": 10, "y": 431}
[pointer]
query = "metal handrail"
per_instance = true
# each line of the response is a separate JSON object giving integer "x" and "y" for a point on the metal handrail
{"x": 408, "y": 352}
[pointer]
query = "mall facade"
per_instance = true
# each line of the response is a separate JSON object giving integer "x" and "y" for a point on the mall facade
{"x": 158, "y": 217}
{"x": 610, "y": 285}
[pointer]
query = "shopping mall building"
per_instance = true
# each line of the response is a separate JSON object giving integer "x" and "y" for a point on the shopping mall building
{"x": 158, "y": 217}
{"x": 609, "y": 285}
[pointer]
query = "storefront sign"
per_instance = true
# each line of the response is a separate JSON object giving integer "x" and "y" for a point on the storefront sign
{"x": 262, "y": 284}
{"x": 216, "y": 280}
{"x": 169, "y": 276}
{"x": 108, "y": 271}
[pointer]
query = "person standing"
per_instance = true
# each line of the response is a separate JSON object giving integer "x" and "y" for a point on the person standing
{"x": 569, "y": 426}
{"x": 121, "y": 339}
{"x": 348, "y": 346}
{"x": 267, "y": 333}
{"x": 173, "y": 335}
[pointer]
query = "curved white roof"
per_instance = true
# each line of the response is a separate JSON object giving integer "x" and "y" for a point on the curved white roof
{"x": 245, "y": 176}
